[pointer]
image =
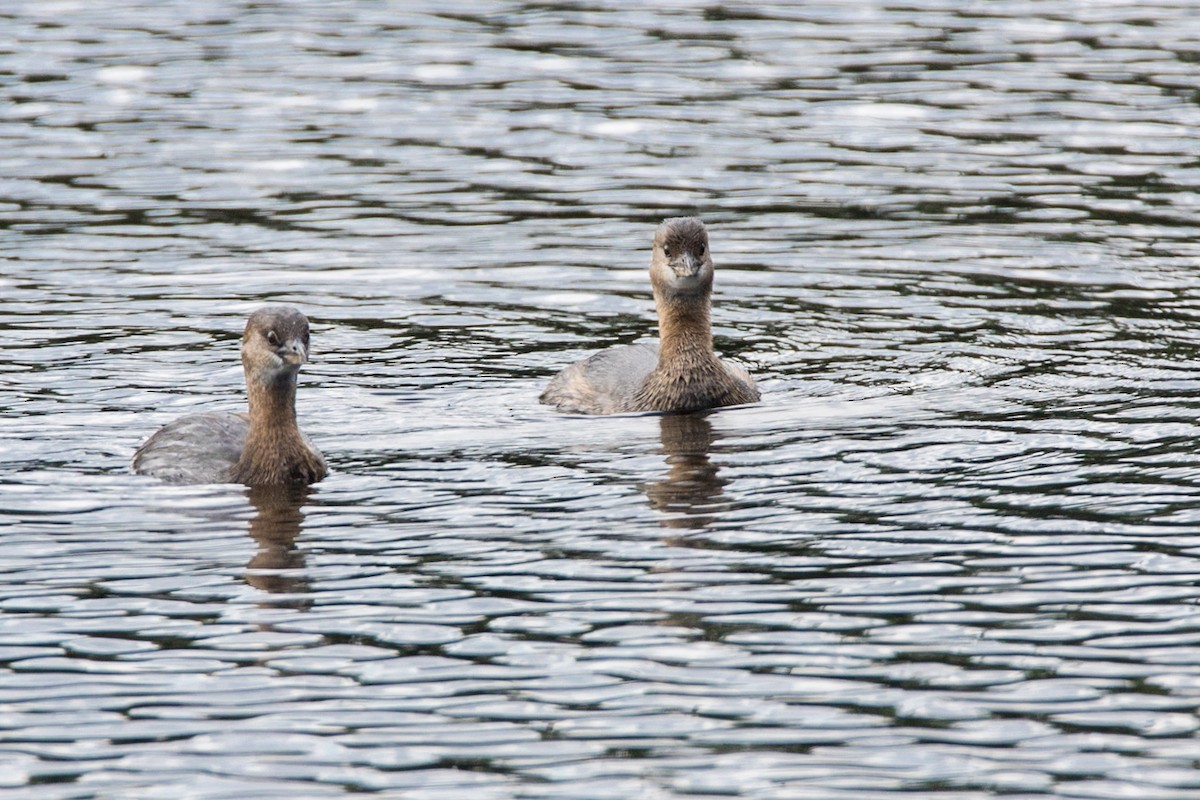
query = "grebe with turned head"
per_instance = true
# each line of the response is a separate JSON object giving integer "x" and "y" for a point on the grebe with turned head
{"x": 262, "y": 447}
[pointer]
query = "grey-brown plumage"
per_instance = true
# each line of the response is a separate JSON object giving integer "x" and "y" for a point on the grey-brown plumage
{"x": 680, "y": 372}
{"x": 262, "y": 447}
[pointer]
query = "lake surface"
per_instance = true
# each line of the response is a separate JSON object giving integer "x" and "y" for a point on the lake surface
{"x": 953, "y": 553}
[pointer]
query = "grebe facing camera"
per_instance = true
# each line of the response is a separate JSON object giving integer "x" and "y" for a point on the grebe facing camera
{"x": 680, "y": 372}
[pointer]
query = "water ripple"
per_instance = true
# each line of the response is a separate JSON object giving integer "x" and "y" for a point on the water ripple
{"x": 950, "y": 554}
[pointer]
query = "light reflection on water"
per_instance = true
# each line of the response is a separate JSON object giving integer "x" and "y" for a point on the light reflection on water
{"x": 951, "y": 552}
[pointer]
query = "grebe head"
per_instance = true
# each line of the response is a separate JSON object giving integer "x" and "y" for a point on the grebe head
{"x": 275, "y": 343}
{"x": 680, "y": 263}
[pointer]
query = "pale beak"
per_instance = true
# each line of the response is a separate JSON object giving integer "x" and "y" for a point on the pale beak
{"x": 293, "y": 352}
{"x": 688, "y": 266}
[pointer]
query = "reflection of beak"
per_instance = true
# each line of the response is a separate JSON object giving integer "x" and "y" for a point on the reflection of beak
{"x": 293, "y": 352}
{"x": 688, "y": 266}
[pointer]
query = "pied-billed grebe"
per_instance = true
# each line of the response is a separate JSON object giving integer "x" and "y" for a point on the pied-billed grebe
{"x": 680, "y": 372}
{"x": 260, "y": 448}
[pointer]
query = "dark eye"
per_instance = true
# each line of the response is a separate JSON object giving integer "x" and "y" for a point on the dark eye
{"x": 701, "y": 248}
{"x": 667, "y": 251}
{"x": 272, "y": 338}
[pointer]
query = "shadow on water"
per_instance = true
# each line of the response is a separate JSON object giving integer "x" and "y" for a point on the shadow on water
{"x": 692, "y": 492}
{"x": 276, "y": 523}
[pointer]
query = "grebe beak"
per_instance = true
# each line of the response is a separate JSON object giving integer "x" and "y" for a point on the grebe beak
{"x": 293, "y": 352}
{"x": 688, "y": 266}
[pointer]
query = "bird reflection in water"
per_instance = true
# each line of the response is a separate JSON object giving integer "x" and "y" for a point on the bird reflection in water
{"x": 692, "y": 493}
{"x": 277, "y": 564}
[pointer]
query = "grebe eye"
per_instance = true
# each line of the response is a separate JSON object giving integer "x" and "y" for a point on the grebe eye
{"x": 666, "y": 251}
{"x": 701, "y": 249}
{"x": 272, "y": 338}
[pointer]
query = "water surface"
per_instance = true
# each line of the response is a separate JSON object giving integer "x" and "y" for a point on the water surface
{"x": 952, "y": 553}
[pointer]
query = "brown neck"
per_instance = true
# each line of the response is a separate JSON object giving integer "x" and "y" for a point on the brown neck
{"x": 276, "y": 452}
{"x": 272, "y": 407}
{"x": 684, "y": 328}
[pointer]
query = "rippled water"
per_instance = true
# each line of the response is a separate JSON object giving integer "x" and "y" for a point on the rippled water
{"x": 953, "y": 553}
